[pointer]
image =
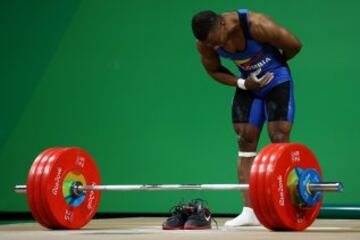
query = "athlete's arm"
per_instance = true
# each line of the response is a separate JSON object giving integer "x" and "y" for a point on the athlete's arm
{"x": 213, "y": 66}
{"x": 217, "y": 71}
{"x": 264, "y": 29}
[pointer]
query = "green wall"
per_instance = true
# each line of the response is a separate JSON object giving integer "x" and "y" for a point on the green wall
{"x": 123, "y": 80}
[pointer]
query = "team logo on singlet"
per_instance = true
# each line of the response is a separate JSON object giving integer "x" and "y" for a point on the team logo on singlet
{"x": 252, "y": 63}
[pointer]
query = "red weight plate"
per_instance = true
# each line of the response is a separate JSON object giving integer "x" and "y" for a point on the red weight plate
{"x": 261, "y": 188}
{"x": 271, "y": 219}
{"x": 288, "y": 157}
{"x": 268, "y": 192}
{"x": 30, "y": 187}
{"x": 40, "y": 181}
{"x": 48, "y": 222}
{"x": 255, "y": 189}
{"x": 73, "y": 164}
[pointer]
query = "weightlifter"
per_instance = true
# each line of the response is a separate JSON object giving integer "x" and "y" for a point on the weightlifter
{"x": 260, "y": 48}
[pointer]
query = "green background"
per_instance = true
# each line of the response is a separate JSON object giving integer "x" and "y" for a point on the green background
{"x": 123, "y": 80}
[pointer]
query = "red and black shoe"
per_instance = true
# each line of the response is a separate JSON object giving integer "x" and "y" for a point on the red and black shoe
{"x": 200, "y": 218}
{"x": 179, "y": 216}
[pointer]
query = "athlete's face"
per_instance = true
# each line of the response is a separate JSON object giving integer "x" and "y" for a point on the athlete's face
{"x": 217, "y": 37}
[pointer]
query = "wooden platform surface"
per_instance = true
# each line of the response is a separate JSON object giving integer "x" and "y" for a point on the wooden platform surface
{"x": 150, "y": 228}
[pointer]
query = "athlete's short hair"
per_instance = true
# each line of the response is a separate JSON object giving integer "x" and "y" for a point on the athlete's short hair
{"x": 203, "y": 22}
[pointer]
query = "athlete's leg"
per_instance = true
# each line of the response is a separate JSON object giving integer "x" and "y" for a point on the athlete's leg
{"x": 248, "y": 138}
{"x": 280, "y": 109}
{"x": 248, "y": 118}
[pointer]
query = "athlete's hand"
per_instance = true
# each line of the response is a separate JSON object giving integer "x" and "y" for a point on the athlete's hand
{"x": 255, "y": 83}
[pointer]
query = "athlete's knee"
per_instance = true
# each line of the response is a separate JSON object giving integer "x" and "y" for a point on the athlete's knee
{"x": 279, "y": 137}
{"x": 246, "y": 140}
{"x": 279, "y": 132}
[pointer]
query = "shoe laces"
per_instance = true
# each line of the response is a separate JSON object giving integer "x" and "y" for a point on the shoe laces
{"x": 180, "y": 210}
{"x": 199, "y": 202}
{"x": 201, "y": 205}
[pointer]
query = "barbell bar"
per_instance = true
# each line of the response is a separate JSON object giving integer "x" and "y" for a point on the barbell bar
{"x": 321, "y": 186}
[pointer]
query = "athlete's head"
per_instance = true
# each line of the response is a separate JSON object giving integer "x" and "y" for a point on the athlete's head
{"x": 209, "y": 28}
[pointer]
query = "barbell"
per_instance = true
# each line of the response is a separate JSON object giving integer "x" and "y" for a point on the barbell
{"x": 63, "y": 187}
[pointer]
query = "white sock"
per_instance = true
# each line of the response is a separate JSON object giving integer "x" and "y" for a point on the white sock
{"x": 246, "y": 218}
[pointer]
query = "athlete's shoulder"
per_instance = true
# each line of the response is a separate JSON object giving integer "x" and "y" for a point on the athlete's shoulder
{"x": 204, "y": 50}
{"x": 257, "y": 19}
{"x": 260, "y": 24}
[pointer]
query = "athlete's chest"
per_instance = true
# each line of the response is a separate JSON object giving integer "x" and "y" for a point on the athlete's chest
{"x": 248, "y": 56}
{"x": 236, "y": 42}
{"x": 249, "y": 49}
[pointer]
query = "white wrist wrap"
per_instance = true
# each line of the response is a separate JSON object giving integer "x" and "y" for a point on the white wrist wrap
{"x": 241, "y": 83}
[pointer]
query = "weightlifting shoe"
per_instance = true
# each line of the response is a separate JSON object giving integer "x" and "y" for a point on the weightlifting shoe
{"x": 179, "y": 216}
{"x": 200, "y": 218}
